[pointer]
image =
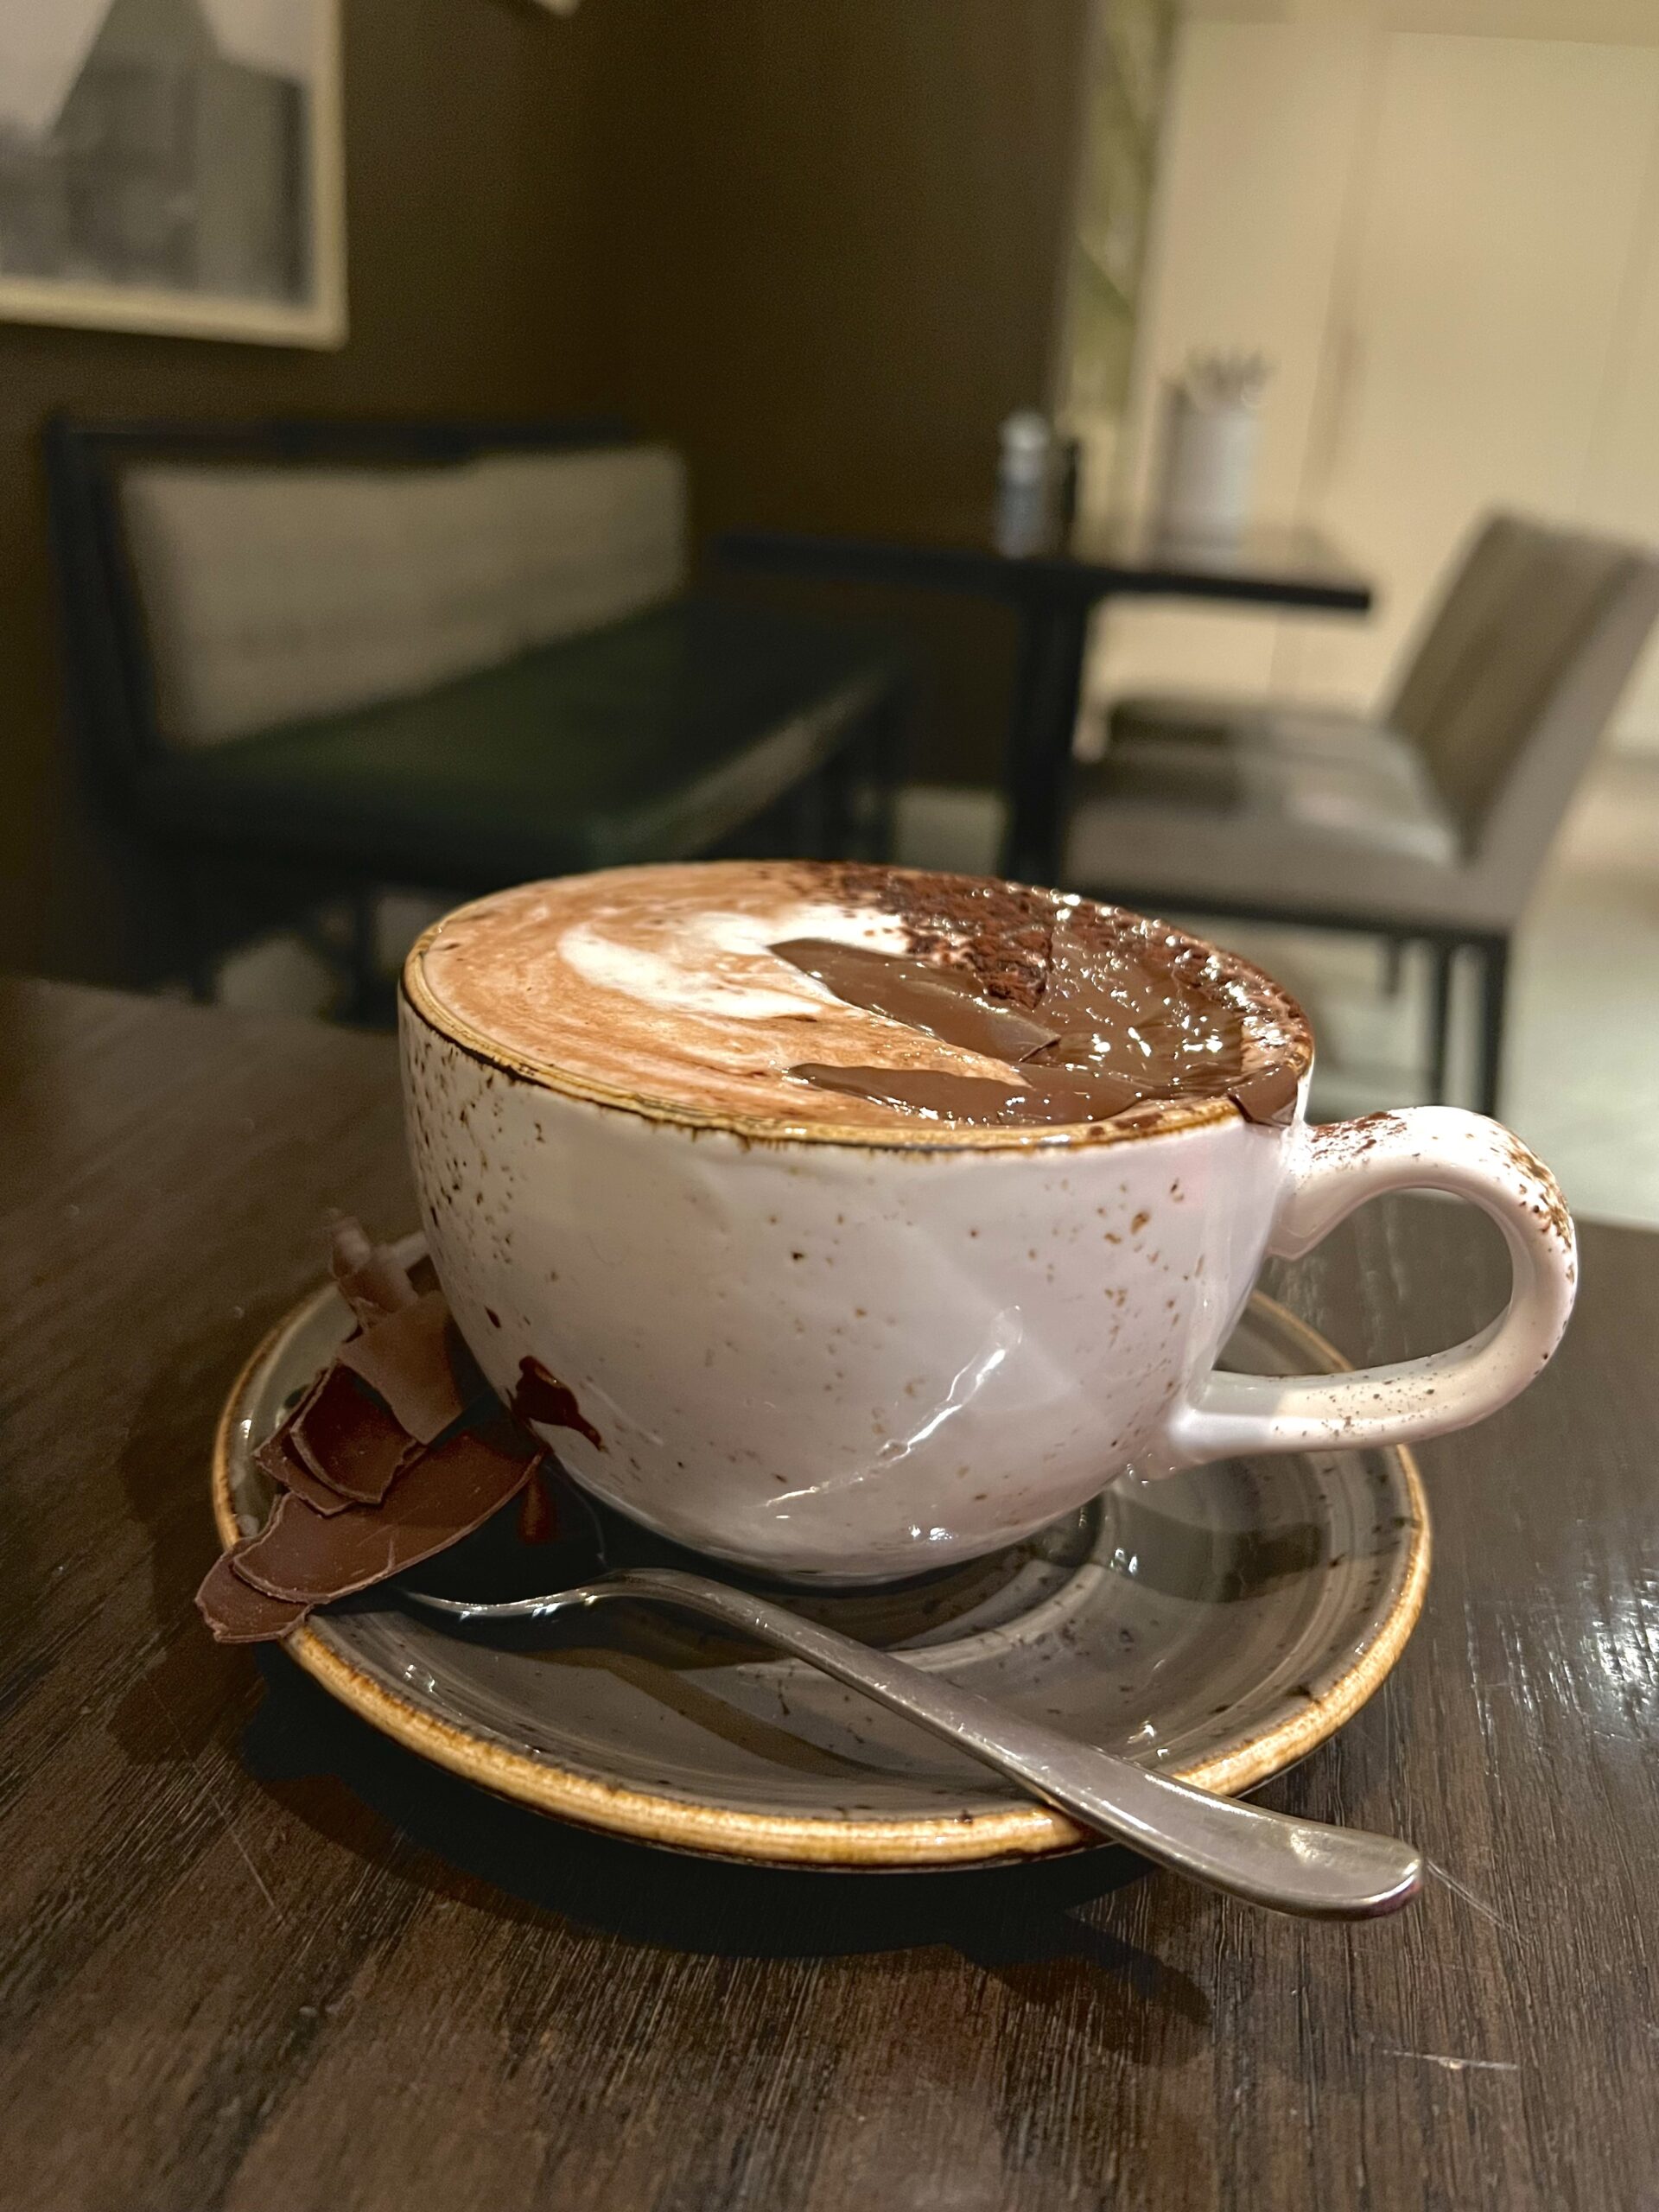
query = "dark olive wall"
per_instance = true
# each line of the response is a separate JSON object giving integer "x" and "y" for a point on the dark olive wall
{"x": 473, "y": 273}
{"x": 846, "y": 219}
{"x": 840, "y": 236}
{"x": 814, "y": 241}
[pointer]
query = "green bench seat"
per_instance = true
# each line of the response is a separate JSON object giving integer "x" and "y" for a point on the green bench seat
{"x": 648, "y": 740}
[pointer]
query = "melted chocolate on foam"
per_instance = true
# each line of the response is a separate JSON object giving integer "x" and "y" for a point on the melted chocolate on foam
{"x": 834, "y": 994}
{"x": 1115, "y": 1009}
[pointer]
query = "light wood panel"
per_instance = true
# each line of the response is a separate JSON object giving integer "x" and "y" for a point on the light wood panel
{"x": 1252, "y": 205}
{"x": 1452, "y": 245}
{"x": 1501, "y": 209}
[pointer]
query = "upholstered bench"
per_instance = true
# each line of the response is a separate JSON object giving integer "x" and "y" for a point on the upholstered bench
{"x": 443, "y": 661}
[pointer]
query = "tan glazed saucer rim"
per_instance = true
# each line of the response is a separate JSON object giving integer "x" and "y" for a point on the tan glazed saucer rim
{"x": 322, "y": 1648}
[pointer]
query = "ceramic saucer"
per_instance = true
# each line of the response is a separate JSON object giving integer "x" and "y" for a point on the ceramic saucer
{"x": 1218, "y": 1624}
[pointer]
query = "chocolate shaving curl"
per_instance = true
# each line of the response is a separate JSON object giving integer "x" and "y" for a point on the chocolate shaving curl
{"x": 350, "y": 1440}
{"x": 372, "y": 1280}
{"x": 308, "y": 1557}
{"x": 288, "y": 1471}
{"x": 397, "y": 1450}
{"x": 407, "y": 1361}
{"x": 237, "y": 1613}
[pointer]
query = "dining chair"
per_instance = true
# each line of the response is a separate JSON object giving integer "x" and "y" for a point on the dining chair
{"x": 1429, "y": 823}
{"x": 438, "y": 657}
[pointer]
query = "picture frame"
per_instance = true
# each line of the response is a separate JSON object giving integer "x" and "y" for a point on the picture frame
{"x": 174, "y": 166}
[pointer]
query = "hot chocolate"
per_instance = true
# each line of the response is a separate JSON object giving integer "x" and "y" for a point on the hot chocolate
{"x": 786, "y": 1205}
{"x": 824, "y": 994}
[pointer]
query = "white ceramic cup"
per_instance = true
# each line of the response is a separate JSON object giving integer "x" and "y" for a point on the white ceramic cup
{"x": 855, "y": 1354}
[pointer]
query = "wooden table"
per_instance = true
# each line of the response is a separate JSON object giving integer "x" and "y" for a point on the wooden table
{"x": 1056, "y": 590}
{"x": 253, "y": 1957}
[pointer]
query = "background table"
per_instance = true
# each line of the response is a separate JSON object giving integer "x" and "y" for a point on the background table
{"x": 1055, "y": 591}
{"x": 251, "y": 1956}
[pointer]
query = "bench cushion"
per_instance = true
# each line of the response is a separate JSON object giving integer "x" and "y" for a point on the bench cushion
{"x": 644, "y": 740}
{"x": 273, "y": 591}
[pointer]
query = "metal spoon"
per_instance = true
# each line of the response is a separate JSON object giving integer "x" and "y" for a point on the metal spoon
{"x": 1294, "y": 1865}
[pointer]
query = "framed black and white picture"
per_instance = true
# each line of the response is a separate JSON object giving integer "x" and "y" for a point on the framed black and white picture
{"x": 174, "y": 165}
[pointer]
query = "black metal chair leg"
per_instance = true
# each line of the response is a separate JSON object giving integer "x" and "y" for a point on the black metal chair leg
{"x": 882, "y": 834}
{"x": 839, "y": 801}
{"x": 802, "y": 816}
{"x": 1053, "y": 654}
{"x": 1494, "y": 988}
{"x": 194, "y": 939}
{"x": 1440, "y": 1019}
{"x": 363, "y": 976}
{"x": 881, "y": 755}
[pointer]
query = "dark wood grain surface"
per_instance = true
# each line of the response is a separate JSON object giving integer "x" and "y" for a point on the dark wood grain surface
{"x": 251, "y": 1956}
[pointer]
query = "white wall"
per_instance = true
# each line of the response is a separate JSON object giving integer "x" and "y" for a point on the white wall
{"x": 1450, "y": 244}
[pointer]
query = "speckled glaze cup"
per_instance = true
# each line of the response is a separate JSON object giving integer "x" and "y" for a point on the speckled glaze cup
{"x": 855, "y": 1353}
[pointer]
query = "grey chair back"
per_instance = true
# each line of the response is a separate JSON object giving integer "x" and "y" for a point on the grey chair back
{"x": 1517, "y": 676}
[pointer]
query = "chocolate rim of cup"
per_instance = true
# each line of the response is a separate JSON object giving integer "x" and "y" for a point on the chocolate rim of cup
{"x": 1152, "y": 1117}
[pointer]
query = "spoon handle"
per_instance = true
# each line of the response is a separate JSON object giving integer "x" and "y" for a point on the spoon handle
{"x": 1266, "y": 1858}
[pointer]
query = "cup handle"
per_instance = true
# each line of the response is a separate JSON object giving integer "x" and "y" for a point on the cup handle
{"x": 1334, "y": 1169}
